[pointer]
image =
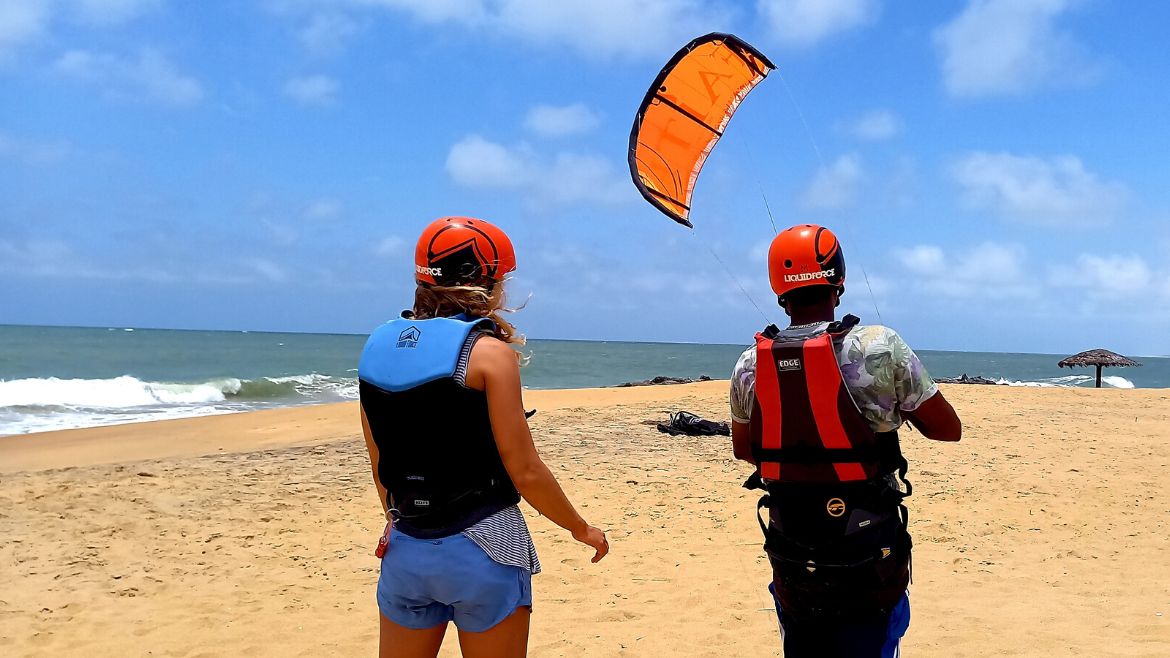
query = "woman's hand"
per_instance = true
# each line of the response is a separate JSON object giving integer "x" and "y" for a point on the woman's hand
{"x": 593, "y": 537}
{"x": 494, "y": 369}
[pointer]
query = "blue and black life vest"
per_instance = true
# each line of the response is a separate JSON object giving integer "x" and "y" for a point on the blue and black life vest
{"x": 836, "y": 534}
{"x": 439, "y": 462}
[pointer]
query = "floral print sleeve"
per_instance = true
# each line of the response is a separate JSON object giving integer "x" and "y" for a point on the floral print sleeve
{"x": 912, "y": 383}
{"x": 884, "y": 375}
{"x": 743, "y": 386}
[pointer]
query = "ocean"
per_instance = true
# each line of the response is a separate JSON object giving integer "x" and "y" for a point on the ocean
{"x": 65, "y": 377}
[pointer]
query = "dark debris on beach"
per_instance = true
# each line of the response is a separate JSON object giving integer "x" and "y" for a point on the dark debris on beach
{"x": 662, "y": 381}
{"x": 964, "y": 379}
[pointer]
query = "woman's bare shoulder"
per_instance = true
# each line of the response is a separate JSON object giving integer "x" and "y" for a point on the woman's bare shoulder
{"x": 492, "y": 357}
{"x": 492, "y": 348}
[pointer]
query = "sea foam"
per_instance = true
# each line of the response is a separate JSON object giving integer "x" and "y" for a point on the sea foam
{"x": 1071, "y": 381}
{"x": 118, "y": 393}
{"x": 39, "y": 404}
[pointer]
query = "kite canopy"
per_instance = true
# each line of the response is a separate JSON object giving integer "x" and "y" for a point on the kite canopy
{"x": 685, "y": 113}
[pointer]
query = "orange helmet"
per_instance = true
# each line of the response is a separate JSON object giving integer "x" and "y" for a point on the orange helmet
{"x": 806, "y": 255}
{"x": 462, "y": 250}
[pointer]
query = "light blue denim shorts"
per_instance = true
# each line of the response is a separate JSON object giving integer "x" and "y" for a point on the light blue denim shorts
{"x": 427, "y": 582}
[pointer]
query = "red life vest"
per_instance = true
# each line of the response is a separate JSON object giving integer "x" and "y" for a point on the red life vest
{"x": 836, "y": 532}
{"x": 805, "y": 426}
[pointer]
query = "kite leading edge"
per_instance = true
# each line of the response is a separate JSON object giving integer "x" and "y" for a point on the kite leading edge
{"x": 685, "y": 113}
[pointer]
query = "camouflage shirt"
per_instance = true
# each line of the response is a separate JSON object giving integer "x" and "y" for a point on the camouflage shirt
{"x": 882, "y": 373}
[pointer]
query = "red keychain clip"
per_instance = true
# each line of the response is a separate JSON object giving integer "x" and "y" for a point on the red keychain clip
{"x": 380, "y": 551}
{"x": 384, "y": 542}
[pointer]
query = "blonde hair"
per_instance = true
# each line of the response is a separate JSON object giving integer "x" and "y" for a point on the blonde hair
{"x": 476, "y": 301}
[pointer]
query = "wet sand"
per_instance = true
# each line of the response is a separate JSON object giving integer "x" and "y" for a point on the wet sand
{"x": 1044, "y": 533}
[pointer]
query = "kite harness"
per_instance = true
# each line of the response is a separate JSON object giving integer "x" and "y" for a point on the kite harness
{"x": 442, "y": 471}
{"x": 836, "y": 536}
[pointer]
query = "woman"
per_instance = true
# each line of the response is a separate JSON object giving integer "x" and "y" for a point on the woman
{"x": 452, "y": 455}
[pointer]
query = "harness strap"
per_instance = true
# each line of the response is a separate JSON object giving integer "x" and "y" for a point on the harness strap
{"x": 838, "y": 328}
{"x": 821, "y": 455}
{"x": 763, "y": 503}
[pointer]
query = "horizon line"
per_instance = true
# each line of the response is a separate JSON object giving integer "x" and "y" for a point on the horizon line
{"x": 567, "y": 340}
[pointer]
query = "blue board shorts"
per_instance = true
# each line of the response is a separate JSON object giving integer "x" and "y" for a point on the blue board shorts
{"x": 877, "y": 638}
{"x": 428, "y": 582}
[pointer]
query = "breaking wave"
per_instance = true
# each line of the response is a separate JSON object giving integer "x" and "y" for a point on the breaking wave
{"x": 128, "y": 392}
{"x": 1070, "y": 381}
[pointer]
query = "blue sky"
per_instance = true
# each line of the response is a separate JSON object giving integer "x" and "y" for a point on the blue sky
{"x": 997, "y": 167}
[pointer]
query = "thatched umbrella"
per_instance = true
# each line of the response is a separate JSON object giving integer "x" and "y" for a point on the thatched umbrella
{"x": 1100, "y": 359}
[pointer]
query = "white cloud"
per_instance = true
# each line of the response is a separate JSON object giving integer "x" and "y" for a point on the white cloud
{"x": 583, "y": 177}
{"x": 475, "y": 162}
{"x": 267, "y": 270}
{"x": 32, "y": 152}
{"x": 324, "y": 210}
{"x": 759, "y": 251}
{"x": 281, "y": 234}
{"x": 807, "y": 22}
{"x": 55, "y": 259}
{"x": 390, "y": 247}
{"x": 1057, "y": 191}
{"x": 317, "y": 90}
{"x": 561, "y": 121}
{"x": 988, "y": 270}
{"x": 435, "y": 11}
{"x": 1010, "y": 46}
{"x": 22, "y": 22}
{"x": 109, "y": 12}
{"x": 835, "y": 186}
{"x": 876, "y": 125}
{"x": 328, "y": 33}
{"x": 1108, "y": 277}
{"x": 34, "y": 257}
{"x": 147, "y": 77}
{"x": 995, "y": 271}
{"x": 922, "y": 259}
{"x": 615, "y": 27}
{"x": 599, "y": 28}
{"x": 565, "y": 178}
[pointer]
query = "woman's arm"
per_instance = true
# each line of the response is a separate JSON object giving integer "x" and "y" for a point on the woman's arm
{"x": 493, "y": 368}
{"x": 375, "y": 459}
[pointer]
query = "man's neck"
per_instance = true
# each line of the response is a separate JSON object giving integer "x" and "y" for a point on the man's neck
{"x": 811, "y": 315}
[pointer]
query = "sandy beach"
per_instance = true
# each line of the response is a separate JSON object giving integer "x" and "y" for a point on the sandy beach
{"x": 1044, "y": 533}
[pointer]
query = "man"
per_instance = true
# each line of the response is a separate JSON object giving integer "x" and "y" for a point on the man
{"x": 816, "y": 407}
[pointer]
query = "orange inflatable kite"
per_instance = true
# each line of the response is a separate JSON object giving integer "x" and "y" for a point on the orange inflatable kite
{"x": 685, "y": 113}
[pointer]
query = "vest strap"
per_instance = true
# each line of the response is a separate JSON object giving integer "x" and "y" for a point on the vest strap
{"x": 819, "y": 455}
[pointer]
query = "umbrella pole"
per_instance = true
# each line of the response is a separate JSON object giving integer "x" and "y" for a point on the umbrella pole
{"x": 1098, "y": 376}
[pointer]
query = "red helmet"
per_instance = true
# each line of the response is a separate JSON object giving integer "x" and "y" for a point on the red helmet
{"x": 462, "y": 250}
{"x": 806, "y": 255}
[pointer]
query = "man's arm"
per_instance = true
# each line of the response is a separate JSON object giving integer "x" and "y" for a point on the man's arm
{"x": 741, "y": 442}
{"x": 919, "y": 399}
{"x": 743, "y": 398}
{"x": 936, "y": 419}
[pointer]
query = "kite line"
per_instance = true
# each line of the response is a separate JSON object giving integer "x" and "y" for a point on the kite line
{"x": 821, "y": 160}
